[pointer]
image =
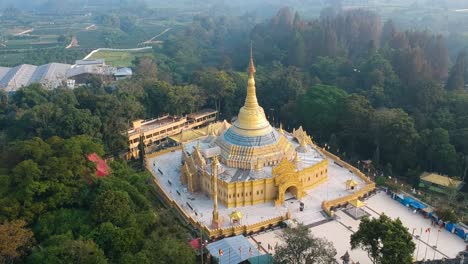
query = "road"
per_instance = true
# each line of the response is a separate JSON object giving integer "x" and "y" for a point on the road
{"x": 73, "y": 43}
{"x": 25, "y": 32}
{"x": 151, "y": 40}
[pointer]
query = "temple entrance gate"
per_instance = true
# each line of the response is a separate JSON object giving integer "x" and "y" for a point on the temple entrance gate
{"x": 287, "y": 179}
{"x": 291, "y": 191}
{"x": 293, "y": 187}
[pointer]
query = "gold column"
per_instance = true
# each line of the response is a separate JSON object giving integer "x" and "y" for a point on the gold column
{"x": 215, "y": 221}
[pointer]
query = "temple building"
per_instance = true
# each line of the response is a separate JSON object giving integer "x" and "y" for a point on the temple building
{"x": 250, "y": 162}
{"x": 246, "y": 176}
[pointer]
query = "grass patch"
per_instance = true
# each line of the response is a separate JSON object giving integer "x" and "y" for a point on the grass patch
{"x": 120, "y": 58}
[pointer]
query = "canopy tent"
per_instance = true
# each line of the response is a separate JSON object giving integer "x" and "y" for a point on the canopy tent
{"x": 461, "y": 232}
{"x": 409, "y": 201}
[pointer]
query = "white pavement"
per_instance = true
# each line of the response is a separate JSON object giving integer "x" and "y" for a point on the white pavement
{"x": 169, "y": 164}
{"x": 447, "y": 243}
{"x": 338, "y": 233}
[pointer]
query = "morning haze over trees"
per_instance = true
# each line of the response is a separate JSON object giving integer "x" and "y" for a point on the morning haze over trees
{"x": 369, "y": 87}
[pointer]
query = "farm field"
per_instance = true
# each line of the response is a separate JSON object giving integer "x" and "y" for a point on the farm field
{"x": 43, "y": 38}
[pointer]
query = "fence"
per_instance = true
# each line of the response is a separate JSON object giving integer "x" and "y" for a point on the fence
{"x": 212, "y": 233}
{"x": 363, "y": 192}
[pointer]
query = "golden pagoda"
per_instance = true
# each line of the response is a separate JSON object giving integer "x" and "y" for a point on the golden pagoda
{"x": 251, "y": 142}
{"x": 257, "y": 163}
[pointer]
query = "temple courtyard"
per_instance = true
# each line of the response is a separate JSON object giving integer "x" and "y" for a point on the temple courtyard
{"x": 166, "y": 170}
{"x": 339, "y": 232}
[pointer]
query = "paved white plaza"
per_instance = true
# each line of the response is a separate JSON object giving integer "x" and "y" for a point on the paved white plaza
{"x": 338, "y": 232}
{"x": 166, "y": 170}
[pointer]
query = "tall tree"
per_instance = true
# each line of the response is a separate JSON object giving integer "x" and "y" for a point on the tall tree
{"x": 218, "y": 86}
{"x": 354, "y": 120}
{"x": 146, "y": 67}
{"x": 15, "y": 240}
{"x": 386, "y": 241}
{"x": 323, "y": 104}
{"x": 300, "y": 246}
{"x": 459, "y": 73}
{"x": 61, "y": 249}
{"x": 395, "y": 134}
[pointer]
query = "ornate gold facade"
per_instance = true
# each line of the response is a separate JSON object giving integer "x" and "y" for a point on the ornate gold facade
{"x": 257, "y": 163}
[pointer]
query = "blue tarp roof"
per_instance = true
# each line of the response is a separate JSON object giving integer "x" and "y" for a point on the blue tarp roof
{"x": 413, "y": 203}
{"x": 417, "y": 205}
{"x": 231, "y": 252}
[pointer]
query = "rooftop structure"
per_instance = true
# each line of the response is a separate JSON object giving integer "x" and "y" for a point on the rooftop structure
{"x": 152, "y": 132}
{"x": 50, "y": 75}
{"x": 439, "y": 183}
{"x": 123, "y": 73}
{"x": 53, "y": 75}
{"x": 232, "y": 249}
{"x": 91, "y": 62}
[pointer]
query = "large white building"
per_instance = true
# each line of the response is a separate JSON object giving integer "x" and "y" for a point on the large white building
{"x": 53, "y": 75}
{"x": 49, "y": 75}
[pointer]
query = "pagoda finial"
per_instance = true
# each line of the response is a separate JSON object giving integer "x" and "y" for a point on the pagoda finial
{"x": 251, "y": 98}
{"x": 251, "y": 63}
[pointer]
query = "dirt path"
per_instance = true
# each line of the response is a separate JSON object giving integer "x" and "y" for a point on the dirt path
{"x": 73, "y": 43}
{"x": 25, "y": 32}
{"x": 92, "y": 27}
{"x": 152, "y": 40}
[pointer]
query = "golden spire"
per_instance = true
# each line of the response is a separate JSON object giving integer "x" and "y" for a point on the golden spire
{"x": 251, "y": 63}
{"x": 251, "y": 98}
{"x": 251, "y": 120}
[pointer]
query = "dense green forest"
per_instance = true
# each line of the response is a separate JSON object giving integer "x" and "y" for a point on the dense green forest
{"x": 359, "y": 84}
{"x": 53, "y": 208}
{"x": 364, "y": 87}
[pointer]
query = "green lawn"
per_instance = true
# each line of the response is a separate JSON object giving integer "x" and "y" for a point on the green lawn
{"x": 120, "y": 58}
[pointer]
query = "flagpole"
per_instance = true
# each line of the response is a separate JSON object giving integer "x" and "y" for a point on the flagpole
{"x": 437, "y": 239}
{"x": 419, "y": 243}
{"x": 427, "y": 243}
{"x": 201, "y": 243}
